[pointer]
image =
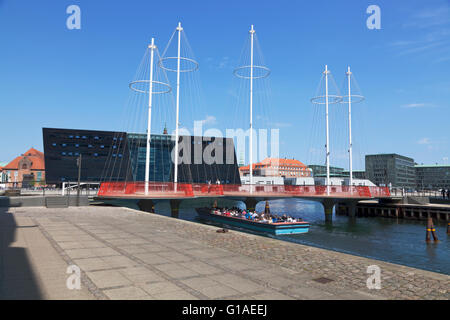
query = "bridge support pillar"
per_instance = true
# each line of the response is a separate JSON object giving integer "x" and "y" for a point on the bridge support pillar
{"x": 146, "y": 205}
{"x": 328, "y": 205}
{"x": 352, "y": 208}
{"x": 174, "y": 207}
{"x": 250, "y": 204}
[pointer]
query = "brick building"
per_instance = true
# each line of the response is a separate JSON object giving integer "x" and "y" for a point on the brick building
{"x": 25, "y": 170}
{"x": 275, "y": 167}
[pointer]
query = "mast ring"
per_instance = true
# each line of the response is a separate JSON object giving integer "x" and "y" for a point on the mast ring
{"x": 165, "y": 88}
{"x": 332, "y": 99}
{"x": 265, "y": 72}
{"x": 358, "y": 98}
{"x": 161, "y": 65}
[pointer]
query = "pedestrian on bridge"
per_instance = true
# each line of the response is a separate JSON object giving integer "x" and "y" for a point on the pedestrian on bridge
{"x": 448, "y": 193}
{"x": 443, "y": 193}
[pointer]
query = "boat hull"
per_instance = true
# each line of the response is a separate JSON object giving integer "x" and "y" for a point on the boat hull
{"x": 272, "y": 228}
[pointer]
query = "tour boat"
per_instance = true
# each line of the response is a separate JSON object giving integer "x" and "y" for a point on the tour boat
{"x": 276, "y": 228}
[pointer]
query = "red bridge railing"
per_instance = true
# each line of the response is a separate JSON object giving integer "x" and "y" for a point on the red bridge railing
{"x": 182, "y": 190}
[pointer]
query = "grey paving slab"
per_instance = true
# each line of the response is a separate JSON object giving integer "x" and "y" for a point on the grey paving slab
{"x": 218, "y": 291}
{"x": 91, "y": 264}
{"x": 201, "y": 267}
{"x": 127, "y": 293}
{"x": 160, "y": 287}
{"x": 151, "y": 258}
{"x": 175, "y": 295}
{"x": 108, "y": 279}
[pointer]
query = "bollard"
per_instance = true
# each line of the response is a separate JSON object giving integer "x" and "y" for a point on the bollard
{"x": 431, "y": 231}
{"x": 448, "y": 228}
{"x": 267, "y": 208}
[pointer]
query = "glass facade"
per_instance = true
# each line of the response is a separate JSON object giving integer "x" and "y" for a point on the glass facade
{"x": 62, "y": 148}
{"x": 321, "y": 171}
{"x": 391, "y": 169}
{"x": 433, "y": 176}
{"x": 118, "y": 156}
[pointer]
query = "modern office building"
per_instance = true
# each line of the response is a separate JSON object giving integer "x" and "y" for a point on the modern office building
{"x": 63, "y": 147}
{"x": 321, "y": 171}
{"x": 391, "y": 170}
{"x": 357, "y": 174}
{"x": 433, "y": 177}
{"x": 120, "y": 156}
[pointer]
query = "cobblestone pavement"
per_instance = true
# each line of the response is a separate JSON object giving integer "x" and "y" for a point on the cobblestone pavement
{"x": 128, "y": 254}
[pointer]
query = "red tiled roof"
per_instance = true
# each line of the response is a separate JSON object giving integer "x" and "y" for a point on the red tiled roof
{"x": 275, "y": 161}
{"x": 36, "y": 157}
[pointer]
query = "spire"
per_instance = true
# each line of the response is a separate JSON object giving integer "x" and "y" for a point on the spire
{"x": 165, "y": 128}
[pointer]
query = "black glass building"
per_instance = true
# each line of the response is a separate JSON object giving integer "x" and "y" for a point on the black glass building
{"x": 120, "y": 156}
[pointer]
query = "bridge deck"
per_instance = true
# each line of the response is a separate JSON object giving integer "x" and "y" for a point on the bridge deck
{"x": 167, "y": 190}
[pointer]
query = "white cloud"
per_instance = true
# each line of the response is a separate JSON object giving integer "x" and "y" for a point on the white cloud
{"x": 424, "y": 141}
{"x": 418, "y": 105}
{"x": 281, "y": 124}
{"x": 209, "y": 120}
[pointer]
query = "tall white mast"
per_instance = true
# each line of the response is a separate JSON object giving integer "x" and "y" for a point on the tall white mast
{"x": 349, "y": 74}
{"x": 179, "y": 29}
{"x": 327, "y": 129}
{"x": 152, "y": 48}
{"x": 252, "y": 32}
{"x": 242, "y": 72}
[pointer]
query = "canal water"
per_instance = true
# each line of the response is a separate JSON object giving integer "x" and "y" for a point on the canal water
{"x": 392, "y": 240}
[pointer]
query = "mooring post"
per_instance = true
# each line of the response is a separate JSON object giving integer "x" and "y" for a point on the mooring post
{"x": 352, "y": 209}
{"x": 431, "y": 231}
{"x": 267, "y": 208}
{"x": 174, "y": 207}
{"x": 146, "y": 205}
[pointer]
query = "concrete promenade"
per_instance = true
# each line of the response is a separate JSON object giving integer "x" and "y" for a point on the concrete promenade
{"x": 128, "y": 254}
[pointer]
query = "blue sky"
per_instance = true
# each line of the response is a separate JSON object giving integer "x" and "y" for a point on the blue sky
{"x": 54, "y": 77}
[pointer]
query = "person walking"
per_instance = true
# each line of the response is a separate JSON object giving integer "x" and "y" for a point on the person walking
{"x": 443, "y": 193}
{"x": 448, "y": 193}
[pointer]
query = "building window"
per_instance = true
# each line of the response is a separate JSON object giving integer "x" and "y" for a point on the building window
{"x": 64, "y": 145}
{"x": 95, "y": 154}
{"x": 102, "y": 146}
{"x": 54, "y": 144}
{"x": 77, "y": 145}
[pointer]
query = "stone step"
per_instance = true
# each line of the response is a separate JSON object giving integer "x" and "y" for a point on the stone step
{"x": 57, "y": 202}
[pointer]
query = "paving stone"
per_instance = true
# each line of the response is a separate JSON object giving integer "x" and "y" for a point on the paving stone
{"x": 160, "y": 287}
{"x": 127, "y": 293}
{"x": 108, "y": 279}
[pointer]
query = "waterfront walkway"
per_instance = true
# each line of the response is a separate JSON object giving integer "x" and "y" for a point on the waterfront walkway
{"x": 128, "y": 254}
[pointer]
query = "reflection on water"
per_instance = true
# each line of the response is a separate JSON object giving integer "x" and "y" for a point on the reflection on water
{"x": 393, "y": 240}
